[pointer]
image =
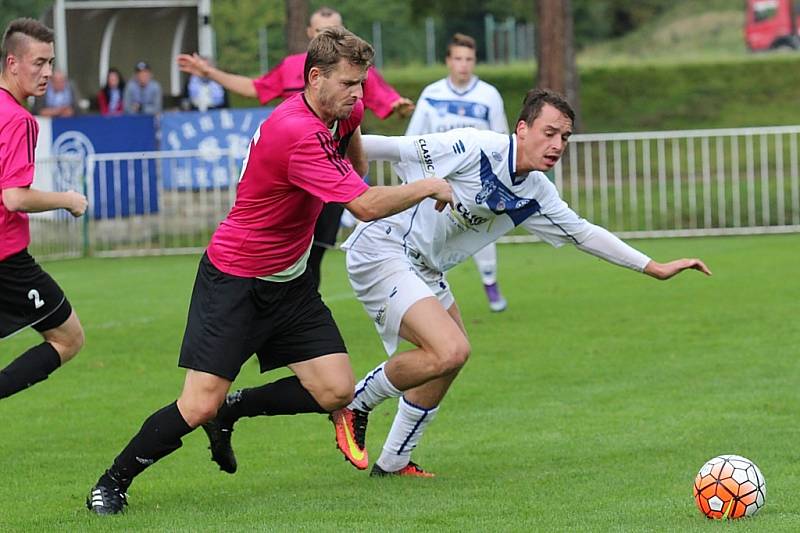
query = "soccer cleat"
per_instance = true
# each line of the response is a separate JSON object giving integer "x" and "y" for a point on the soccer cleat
{"x": 496, "y": 301}
{"x": 351, "y": 431}
{"x": 107, "y": 497}
{"x": 219, "y": 439}
{"x": 410, "y": 470}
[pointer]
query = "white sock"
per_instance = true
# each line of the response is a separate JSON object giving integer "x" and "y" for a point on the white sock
{"x": 408, "y": 426}
{"x": 486, "y": 261}
{"x": 373, "y": 389}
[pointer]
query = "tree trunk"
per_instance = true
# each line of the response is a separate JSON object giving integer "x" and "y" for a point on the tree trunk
{"x": 296, "y": 24}
{"x": 555, "y": 51}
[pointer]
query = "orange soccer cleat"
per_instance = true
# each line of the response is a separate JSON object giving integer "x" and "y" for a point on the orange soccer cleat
{"x": 351, "y": 431}
{"x": 410, "y": 470}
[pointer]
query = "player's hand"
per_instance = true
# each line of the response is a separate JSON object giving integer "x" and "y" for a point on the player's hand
{"x": 193, "y": 64}
{"x": 667, "y": 270}
{"x": 442, "y": 193}
{"x": 403, "y": 107}
{"x": 76, "y": 203}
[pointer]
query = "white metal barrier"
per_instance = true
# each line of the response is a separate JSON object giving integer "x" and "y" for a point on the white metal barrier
{"x": 654, "y": 184}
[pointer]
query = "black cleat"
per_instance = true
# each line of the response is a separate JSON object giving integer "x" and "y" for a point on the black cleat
{"x": 410, "y": 470}
{"x": 107, "y": 497}
{"x": 219, "y": 438}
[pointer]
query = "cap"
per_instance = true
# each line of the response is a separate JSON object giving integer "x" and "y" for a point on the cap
{"x": 141, "y": 65}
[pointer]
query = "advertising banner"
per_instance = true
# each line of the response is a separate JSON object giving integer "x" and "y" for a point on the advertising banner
{"x": 209, "y": 132}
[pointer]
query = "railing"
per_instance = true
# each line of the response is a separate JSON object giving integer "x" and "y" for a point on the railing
{"x": 142, "y": 203}
{"x": 656, "y": 184}
{"x": 680, "y": 183}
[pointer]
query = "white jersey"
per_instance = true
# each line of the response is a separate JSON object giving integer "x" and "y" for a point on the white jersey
{"x": 489, "y": 200}
{"x": 442, "y": 107}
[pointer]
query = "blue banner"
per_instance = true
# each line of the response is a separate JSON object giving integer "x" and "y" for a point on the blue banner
{"x": 120, "y": 188}
{"x": 209, "y": 132}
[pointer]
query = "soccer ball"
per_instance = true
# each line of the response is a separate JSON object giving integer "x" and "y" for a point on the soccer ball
{"x": 729, "y": 486}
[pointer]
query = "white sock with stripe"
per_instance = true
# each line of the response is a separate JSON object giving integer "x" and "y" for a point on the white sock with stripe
{"x": 373, "y": 389}
{"x": 408, "y": 426}
{"x": 486, "y": 261}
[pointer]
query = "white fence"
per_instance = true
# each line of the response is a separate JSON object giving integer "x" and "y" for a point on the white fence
{"x": 658, "y": 184}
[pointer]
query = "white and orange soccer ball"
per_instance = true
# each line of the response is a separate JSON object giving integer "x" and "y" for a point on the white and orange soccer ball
{"x": 728, "y": 487}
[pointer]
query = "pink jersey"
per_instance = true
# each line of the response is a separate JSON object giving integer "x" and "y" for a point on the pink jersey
{"x": 294, "y": 165}
{"x": 18, "y": 133}
{"x": 286, "y": 79}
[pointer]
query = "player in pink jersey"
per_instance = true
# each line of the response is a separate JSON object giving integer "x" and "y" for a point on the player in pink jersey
{"x": 28, "y": 295}
{"x": 253, "y": 293}
{"x": 287, "y": 79}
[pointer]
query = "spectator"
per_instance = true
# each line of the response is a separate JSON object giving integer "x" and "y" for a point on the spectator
{"x": 109, "y": 97}
{"x": 60, "y": 99}
{"x": 143, "y": 94}
{"x": 202, "y": 93}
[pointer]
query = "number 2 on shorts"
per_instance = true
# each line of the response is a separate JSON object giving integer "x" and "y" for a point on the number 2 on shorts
{"x": 33, "y": 294}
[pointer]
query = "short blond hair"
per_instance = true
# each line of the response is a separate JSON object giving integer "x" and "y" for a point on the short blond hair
{"x": 332, "y": 45}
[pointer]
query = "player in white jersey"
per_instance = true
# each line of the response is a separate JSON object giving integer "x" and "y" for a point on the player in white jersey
{"x": 397, "y": 265}
{"x": 458, "y": 101}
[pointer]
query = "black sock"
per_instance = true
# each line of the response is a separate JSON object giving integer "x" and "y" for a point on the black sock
{"x": 29, "y": 368}
{"x": 283, "y": 397}
{"x": 159, "y": 436}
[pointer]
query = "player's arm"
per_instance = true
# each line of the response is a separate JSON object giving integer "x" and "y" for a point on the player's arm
{"x": 601, "y": 243}
{"x": 29, "y": 200}
{"x": 383, "y": 201}
{"x": 380, "y": 148}
{"x": 382, "y": 99}
{"x": 194, "y": 64}
{"x": 356, "y": 155}
{"x": 557, "y": 224}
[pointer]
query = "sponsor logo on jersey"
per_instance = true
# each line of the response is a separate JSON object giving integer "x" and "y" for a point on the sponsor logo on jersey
{"x": 459, "y": 147}
{"x": 425, "y": 156}
{"x": 469, "y": 218}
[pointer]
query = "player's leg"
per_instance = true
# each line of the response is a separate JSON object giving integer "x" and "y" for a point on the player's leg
{"x": 301, "y": 334}
{"x": 403, "y": 301}
{"x": 486, "y": 261}
{"x": 442, "y": 350}
{"x": 159, "y": 436}
{"x": 67, "y": 339}
{"x": 325, "y": 232}
{"x": 30, "y": 297}
{"x": 213, "y": 350}
{"x": 416, "y": 410}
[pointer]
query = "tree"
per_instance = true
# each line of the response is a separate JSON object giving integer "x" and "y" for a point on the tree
{"x": 11, "y": 9}
{"x": 555, "y": 51}
{"x": 296, "y": 24}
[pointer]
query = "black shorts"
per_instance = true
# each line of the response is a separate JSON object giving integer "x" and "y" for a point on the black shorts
{"x": 327, "y": 227}
{"x": 29, "y": 296}
{"x": 232, "y": 318}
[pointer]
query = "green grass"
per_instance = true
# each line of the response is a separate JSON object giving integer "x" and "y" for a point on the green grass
{"x": 588, "y": 406}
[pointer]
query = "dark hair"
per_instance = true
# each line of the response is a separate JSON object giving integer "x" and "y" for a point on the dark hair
{"x": 16, "y": 32}
{"x": 121, "y": 86}
{"x": 535, "y": 100}
{"x": 332, "y": 45}
{"x": 460, "y": 39}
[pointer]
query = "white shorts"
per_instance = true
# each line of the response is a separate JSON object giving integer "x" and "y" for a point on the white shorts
{"x": 388, "y": 284}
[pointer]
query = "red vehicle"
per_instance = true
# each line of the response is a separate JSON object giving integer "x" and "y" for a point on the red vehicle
{"x": 772, "y": 24}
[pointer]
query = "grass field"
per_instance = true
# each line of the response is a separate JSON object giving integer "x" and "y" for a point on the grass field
{"x": 588, "y": 406}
